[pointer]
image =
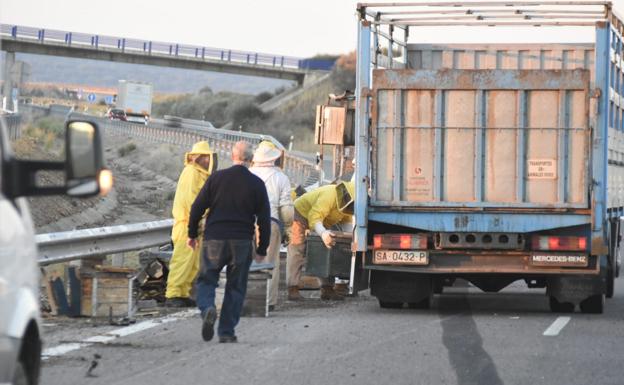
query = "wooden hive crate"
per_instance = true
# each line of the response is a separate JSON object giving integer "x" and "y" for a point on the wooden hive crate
{"x": 105, "y": 291}
{"x": 257, "y": 298}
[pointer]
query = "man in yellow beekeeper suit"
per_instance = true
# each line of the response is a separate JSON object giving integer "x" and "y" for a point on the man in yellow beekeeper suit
{"x": 199, "y": 163}
{"x": 317, "y": 210}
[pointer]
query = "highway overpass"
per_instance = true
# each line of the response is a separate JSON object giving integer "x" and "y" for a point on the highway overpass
{"x": 16, "y": 38}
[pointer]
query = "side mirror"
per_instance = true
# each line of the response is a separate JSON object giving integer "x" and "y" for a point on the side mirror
{"x": 83, "y": 161}
{"x": 83, "y": 167}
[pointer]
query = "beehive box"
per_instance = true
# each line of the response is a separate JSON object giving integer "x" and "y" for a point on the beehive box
{"x": 106, "y": 292}
{"x": 323, "y": 262}
{"x": 257, "y": 298}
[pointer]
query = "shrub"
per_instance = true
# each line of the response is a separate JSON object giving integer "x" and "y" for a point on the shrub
{"x": 244, "y": 114}
{"x": 54, "y": 126}
{"x": 126, "y": 149}
{"x": 263, "y": 97}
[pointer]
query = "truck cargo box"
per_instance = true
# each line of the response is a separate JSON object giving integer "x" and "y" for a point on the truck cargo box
{"x": 491, "y": 162}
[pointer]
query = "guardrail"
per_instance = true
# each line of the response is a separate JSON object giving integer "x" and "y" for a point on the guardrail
{"x": 301, "y": 170}
{"x": 98, "y": 242}
{"x": 13, "y": 122}
{"x": 300, "y": 167}
{"x": 147, "y": 47}
{"x": 78, "y": 244}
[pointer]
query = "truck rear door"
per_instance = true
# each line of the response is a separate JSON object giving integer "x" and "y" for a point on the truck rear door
{"x": 481, "y": 139}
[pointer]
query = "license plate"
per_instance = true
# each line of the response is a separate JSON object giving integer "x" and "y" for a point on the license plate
{"x": 401, "y": 257}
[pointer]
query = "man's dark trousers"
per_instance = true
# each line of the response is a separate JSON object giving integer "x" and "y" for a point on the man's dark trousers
{"x": 236, "y": 254}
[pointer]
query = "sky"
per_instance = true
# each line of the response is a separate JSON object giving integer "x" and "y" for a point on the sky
{"x": 283, "y": 27}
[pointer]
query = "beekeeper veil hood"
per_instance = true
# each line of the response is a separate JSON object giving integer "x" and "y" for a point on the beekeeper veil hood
{"x": 345, "y": 197}
{"x": 199, "y": 149}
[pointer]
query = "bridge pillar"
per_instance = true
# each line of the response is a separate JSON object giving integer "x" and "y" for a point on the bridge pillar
{"x": 7, "y": 77}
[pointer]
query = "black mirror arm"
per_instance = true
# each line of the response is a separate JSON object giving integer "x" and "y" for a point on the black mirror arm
{"x": 24, "y": 178}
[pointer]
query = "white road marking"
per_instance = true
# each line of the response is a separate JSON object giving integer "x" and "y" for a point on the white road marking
{"x": 557, "y": 326}
{"x": 62, "y": 349}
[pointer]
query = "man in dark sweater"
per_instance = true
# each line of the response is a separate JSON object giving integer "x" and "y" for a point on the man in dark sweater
{"x": 237, "y": 200}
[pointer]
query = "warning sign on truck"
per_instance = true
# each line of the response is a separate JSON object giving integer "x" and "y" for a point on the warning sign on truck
{"x": 542, "y": 169}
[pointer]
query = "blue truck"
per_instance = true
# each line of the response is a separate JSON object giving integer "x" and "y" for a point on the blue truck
{"x": 492, "y": 163}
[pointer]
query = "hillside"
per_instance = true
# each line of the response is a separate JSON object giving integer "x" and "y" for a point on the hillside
{"x": 296, "y": 116}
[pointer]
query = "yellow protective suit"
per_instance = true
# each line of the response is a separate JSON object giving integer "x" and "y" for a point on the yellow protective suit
{"x": 325, "y": 205}
{"x": 184, "y": 263}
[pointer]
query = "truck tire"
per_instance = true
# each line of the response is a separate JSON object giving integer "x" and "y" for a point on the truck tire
{"x": 610, "y": 284}
{"x": 437, "y": 286}
{"x": 390, "y": 305}
{"x": 20, "y": 377}
{"x": 593, "y": 304}
{"x": 560, "y": 307}
{"x": 423, "y": 304}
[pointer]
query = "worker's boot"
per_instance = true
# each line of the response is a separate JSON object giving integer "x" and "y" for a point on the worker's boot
{"x": 329, "y": 294}
{"x": 293, "y": 294}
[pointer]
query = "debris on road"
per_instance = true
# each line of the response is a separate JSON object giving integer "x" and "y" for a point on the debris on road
{"x": 94, "y": 363}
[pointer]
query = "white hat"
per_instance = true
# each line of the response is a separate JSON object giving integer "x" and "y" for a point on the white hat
{"x": 266, "y": 154}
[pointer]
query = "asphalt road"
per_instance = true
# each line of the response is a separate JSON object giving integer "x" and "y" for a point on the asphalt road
{"x": 468, "y": 337}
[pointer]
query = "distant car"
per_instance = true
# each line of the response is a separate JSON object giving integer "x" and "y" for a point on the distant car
{"x": 137, "y": 118}
{"x": 116, "y": 114}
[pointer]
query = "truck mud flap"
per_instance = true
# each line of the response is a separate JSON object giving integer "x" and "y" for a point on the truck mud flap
{"x": 400, "y": 287}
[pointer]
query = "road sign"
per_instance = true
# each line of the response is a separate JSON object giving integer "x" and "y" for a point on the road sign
{"x": 91, "y": 98}
{"x": 109, "y": 99}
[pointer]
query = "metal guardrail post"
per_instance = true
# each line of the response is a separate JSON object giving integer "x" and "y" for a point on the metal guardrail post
{"x": 97, "y": 41}
{"x": 282, "y": 62}
{"x": 14, "y": 32}
{"x": 150, "y": 48}
{"x": 229, "y": 55}
{"x": 177, "y": 49}
{"x": 123, "y": 45}
{"x": 256, "y": 59}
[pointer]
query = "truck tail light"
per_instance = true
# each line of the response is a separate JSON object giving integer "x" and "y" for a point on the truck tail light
{"x": 400, "y": 241}
{"x": 547, "y": 242}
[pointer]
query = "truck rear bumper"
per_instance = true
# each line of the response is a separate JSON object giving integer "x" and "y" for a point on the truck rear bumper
{"x": 484, "y": 263}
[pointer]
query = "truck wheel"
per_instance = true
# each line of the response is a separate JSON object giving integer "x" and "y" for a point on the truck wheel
{"x": 423, "y": 304}
{"x": 437, "y": 286}
{"x": 560, "y": 307}
{"x": 593, "y": 304}
{"x": 19, "y": 377}
{"x": 390, "y": 304}
{"x": 610, "y": 284}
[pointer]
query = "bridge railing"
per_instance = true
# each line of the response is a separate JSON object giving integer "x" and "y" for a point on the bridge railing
{"x": 147, "y": 47}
